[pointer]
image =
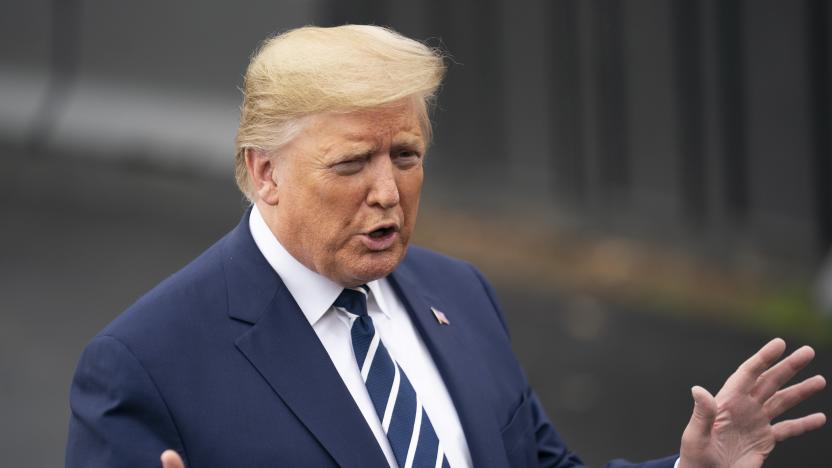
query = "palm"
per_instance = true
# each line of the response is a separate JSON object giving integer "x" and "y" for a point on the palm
{"x": 734, "y": 429}
{"x": 737, "y": 442}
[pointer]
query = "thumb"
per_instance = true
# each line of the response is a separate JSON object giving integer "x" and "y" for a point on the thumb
{"x": 171, "y": 459}
{"x": 704, "y": 412}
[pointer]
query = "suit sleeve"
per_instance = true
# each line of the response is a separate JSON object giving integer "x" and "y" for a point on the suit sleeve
{"x": 118, "y": 418}
{"x": 551, "y": 449}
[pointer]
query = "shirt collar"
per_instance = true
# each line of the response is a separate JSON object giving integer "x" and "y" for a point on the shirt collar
{"x": 377, "y": 294}
{"x": 314, "y": 293}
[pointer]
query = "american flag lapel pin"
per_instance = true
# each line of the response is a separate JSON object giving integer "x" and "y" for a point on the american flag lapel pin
{"x": 440, "y": 317}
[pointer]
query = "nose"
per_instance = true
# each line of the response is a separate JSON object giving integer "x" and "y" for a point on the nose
{"x": 384, "y": 190}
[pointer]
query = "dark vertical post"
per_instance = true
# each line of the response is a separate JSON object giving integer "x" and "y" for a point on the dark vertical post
{"x": 819, "y": 76}
{"x": 490, "y": 92}
{"x": 687, "y": 23}
{"x": 614, "y": 157}
{"x": 565, "y": 100}
{"x": 734, "y": 119}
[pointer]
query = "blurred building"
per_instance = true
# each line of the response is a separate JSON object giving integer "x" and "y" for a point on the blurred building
{"x": 702, "y": 122}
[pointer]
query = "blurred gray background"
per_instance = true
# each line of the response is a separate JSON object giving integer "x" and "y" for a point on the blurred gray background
{"x": 647, "y": 183}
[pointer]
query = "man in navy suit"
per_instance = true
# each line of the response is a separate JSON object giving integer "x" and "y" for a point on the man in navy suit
{"x": 311, "y": 335}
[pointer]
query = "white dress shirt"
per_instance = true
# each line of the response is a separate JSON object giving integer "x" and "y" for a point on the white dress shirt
{"x": 315, "y": 294}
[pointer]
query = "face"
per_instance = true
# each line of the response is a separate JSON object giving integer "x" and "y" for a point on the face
{"x": 347, "y": 192}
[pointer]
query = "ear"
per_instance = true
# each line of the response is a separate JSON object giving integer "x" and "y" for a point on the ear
{"x": 262, "y": 172}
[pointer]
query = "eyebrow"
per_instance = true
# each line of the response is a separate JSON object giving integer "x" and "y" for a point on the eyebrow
{"x": 351, "y": 149}
{"x": 358, "y": 144}
{"x": 409, "y": 140}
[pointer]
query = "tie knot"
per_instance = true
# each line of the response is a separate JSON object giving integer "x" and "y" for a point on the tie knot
{"x": 353, "y": 300}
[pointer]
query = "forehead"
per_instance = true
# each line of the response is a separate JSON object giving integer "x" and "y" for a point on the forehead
{"x": 399, "y": 123}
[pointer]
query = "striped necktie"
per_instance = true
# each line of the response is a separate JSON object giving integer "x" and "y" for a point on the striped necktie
{"x": 400, "y": 410}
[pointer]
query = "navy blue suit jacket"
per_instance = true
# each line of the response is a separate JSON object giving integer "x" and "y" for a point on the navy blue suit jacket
{"x": 219, "y": 363}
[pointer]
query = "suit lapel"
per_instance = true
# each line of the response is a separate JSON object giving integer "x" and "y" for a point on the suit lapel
{"x": 461, "y": 371}
{"x": 287, "y": 353}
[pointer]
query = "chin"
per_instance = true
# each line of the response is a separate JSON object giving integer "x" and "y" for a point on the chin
{"x": 377, "y": 266}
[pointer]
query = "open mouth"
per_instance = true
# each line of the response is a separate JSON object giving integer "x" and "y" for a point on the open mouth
{"x": 381, "y": 232}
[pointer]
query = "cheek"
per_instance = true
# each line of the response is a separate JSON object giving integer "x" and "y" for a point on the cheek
{"x": 410, "y": 188}
{"x": 327, "y": 201}
{"x": 336, "y": 215}
{"x": 311, "y": 216}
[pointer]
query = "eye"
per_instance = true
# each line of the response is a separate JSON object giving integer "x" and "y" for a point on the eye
{"x": 407, "y": 158}
{"x": 349, "y": 167}
{"x": 350, "y": 164}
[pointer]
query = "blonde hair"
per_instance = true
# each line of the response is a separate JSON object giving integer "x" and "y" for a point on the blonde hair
{"x": 311, "y": 70}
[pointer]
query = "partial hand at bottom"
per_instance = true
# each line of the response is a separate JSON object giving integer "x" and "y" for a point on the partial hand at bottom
{"x": 171, "y": 459}
{"x": 734, "y": 429}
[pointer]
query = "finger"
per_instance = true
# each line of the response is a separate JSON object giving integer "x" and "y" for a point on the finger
{"x": 777, "y": 376}
{"x": 704, "y": 413}
{"x": 787, "y": 398}
{"x": 171, "y": 459}
{"x": 750, "y": 370}
{"x": 795, "y": 427}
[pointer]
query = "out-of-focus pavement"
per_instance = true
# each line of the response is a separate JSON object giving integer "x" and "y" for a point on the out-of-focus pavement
{"x": 80, "y": 240}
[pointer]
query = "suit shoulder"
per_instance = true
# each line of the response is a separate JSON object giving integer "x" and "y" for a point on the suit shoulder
{"x": 438, "y": 272}
{"x": 431, "y": 266}
{"x": 420, "y": 257}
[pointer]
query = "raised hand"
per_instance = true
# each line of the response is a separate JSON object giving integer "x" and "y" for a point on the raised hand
{"x": 171, "y": 459}
{"x": 734, "y": 429}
